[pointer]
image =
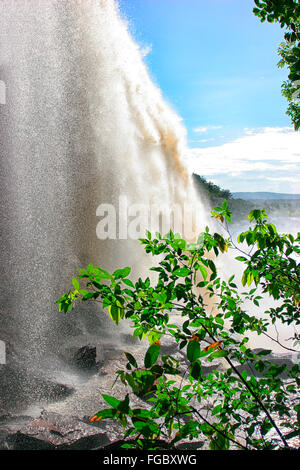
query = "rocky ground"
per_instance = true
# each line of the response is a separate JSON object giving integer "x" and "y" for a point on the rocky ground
{"x": 56, "y": 415}
{"x": 54, "y": 412}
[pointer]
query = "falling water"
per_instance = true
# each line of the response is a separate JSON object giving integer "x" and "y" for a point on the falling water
{"x": 82, "y": 125}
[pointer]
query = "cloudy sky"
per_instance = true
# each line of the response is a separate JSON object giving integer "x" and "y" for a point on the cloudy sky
{"x": 216, "y": 65}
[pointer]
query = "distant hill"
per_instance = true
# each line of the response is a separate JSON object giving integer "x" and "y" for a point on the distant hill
{"x": 241, "y": 203}
{"x": 265, "y": 196}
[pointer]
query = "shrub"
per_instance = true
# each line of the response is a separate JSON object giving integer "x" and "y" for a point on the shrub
{"x": 250, "y": 411}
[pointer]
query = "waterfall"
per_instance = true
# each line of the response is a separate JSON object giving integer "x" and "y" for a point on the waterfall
{"x": 81, "y": 125}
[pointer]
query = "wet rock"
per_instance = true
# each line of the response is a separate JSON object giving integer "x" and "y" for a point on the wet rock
{"x": 127, "y": 338}
{"x": 9, "y": 425}
{"x": 185, "y": 445}
{"x": 4, "y": 415}
{"x": 85, "y": 357}
{"x": 279, "y": 359}
{"x": 13, "y": 420}
{"x": 112, "y": 428}
{"x": 21, "y": 388}
{"x": 88, "y": 357}
{"x": 52, "y": 431}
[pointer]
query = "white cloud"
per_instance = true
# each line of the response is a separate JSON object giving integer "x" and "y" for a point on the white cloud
{"x": 204, "y": 129}
{"x": 206, "y": 140}
{"x": 270, "y": 154}
{"x": 146, "y": 50}
{"x": 290, "y": 179}
{"x": 211, "y": 139}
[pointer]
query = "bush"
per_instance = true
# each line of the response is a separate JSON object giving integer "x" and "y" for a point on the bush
{"x": 256, "y": 411}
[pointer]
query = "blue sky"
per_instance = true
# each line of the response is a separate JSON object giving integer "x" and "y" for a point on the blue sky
{"x": 216, "y": 65}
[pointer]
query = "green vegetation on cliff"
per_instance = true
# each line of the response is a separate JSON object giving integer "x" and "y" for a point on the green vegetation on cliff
{"x": 241, "y": 207}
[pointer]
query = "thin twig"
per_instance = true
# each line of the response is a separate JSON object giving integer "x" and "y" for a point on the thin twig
{"x": 249, "y": 388}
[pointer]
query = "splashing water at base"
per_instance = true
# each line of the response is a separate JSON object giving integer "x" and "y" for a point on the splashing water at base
{"x": 82, "y": 125}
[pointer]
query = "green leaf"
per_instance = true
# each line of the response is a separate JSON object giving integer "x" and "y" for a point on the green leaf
{"x": 124, "y": 405}
{"x": 297, "y": 409}
{"x": 216, "y": 410}
{"x": 141, "y": 413}
{"x": 102, "y": 274}
{"x": 146, "y": 426}
{"x": 104, "y": 414}
{"x": 244, "y": 278}
{"x": 112, "y": 401}
{"x": 182, "y": 272}
{"x": 219, "y": 443}
{"x": 203, "y": 271}
{"x": 196, "y": 322}
{"x": 116, "y": 312}
{"x": 193, "y": 350}
{"x": 75, "y": 283}
{"x": 264, "y": 352}
{"x": 89, "y": 295}
{"x": 201, "y": 334}
{"x": 121, "y": 273}
{"x": 128, "y": 282}
{"x": 241, "y": 258}
{"x": 83, "y": 292}
{"x": 151, "y": 355}
{"x": 131, "y": 359}
{"x": 154, "y": 336}
{"x": 249, "y": 279}
{"x": 221, "y": 353}
{"x": 196, "y": 370}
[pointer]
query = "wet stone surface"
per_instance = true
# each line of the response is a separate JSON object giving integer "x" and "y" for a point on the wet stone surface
{"x": 52, "y": 431}
{"x": 64, "y": 423}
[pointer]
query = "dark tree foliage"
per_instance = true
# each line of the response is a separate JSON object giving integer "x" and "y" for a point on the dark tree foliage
{"x": 213, "y": 191}
{"x": 287, "y": 14}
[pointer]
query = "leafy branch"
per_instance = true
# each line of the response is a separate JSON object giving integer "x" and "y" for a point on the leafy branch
{"x": 253, "y": 406}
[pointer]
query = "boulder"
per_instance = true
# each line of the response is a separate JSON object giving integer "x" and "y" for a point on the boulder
{"x": 289, "y": 359}
{"x": 52, "y": 431}
{"x": 85, "y": 357}
{"x": 20, "y": 388}
{"x": 9, "y": 425}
